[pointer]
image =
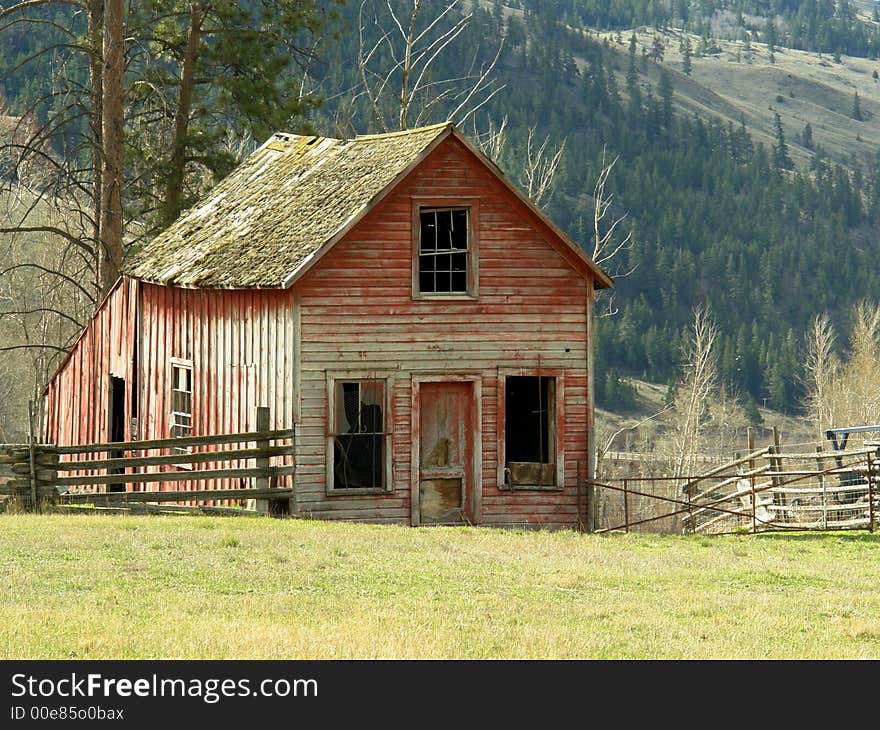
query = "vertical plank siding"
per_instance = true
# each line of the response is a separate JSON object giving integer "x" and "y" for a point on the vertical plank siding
{"x": 236, "y": 342}
{"x": 207, "y": 327}
{"x": 358, "y": 314}
{"x": 78, "y": 397}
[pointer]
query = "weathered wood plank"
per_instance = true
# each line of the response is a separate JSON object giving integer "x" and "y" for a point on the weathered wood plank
{"x": 195, "y": 495}
{"x": 197, "y": 457}
{"x": 182, "y": 476}
{"x": 226, "y": 438}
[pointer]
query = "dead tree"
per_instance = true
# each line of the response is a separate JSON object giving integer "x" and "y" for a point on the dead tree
{"x": 397, "y": 57}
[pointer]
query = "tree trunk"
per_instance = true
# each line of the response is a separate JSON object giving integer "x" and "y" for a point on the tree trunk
{"x": 96, "y": 69}
{"x": 110, "y": 255}
{"x": 174, "y": 186}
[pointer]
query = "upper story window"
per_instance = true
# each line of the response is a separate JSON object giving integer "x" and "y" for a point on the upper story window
{"x": 445, "y": 252}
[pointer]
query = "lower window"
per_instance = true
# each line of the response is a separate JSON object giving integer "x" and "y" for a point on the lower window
{"x": 530, "y": 430}
{"x": 358, "y": 434}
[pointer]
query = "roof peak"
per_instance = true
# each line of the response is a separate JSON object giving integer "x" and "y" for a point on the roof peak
{"x": 404, "y": 132}
{"x": 315, "y": 138}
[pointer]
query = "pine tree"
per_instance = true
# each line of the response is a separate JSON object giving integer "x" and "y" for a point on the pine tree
{"x": 657, "y": 49}
{"x": 856, "y": 108}
{"x": 807, "y": 136}
{"x": 781, "y": 158}
{"x": 632, "y": 79}
{"x": 770, "y": 36}
{"x": 686, "y": 57}
{"x": 665, "y": 88}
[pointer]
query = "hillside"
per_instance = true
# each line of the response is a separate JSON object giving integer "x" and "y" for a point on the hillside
{"x": 739, "y": 82}
{"x": 723, "y": 210}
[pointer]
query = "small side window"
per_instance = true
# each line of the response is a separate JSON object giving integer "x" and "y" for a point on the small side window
{"x": 181, "y": 402}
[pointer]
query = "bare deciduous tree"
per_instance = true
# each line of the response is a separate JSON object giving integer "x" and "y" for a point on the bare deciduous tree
{"x": 397, "y": 57}
{"x": 539, "y": 162}
{"x": 539, "y": 168}
{"x": 606, "y": 248}
{"x": 822, "y": 366}
{"x": 844, "y": 392}
{"x": 692, "y": 396}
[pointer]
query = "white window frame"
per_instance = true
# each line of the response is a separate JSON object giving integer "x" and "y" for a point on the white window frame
{"x": 333, "y": 379}
{"x": 179, "y": 364}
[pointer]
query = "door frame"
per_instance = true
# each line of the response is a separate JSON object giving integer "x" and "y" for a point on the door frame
{"x": 476, "y": 382}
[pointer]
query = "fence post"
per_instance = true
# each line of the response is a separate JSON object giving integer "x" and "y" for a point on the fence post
{"x": 582, "y": 521}
{"x": 262, "y": 503}
{"x": 750, "y": 449}
{"x": 775, "y": 467}
{"x": 870, "y": 494}
{"x": 824, "y": 484}
{"x": 32, "y": 457}
{"x": 625, "y": 506}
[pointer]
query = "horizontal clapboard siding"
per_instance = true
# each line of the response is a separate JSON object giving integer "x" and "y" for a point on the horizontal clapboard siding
{"x": 358, "y": 314}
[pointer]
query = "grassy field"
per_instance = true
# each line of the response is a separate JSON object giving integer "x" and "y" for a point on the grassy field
{"x": 95, "y": 587}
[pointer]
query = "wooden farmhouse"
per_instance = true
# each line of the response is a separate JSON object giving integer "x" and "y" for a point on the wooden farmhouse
{"x": 394, "y": 298}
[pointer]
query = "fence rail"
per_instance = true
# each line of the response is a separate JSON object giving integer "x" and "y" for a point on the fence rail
{"x": 71, "y": 475}
{"x": 766, "y": 489}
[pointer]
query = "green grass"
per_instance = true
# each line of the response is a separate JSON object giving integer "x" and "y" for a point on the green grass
{"x": 97, "y": 587}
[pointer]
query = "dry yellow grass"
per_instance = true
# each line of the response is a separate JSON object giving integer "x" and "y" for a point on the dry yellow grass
{"x": 238, "y": 588}
{"x": 803, "y": 87}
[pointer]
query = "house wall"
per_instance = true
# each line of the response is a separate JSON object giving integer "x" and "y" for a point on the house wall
{"x": 78, "y": 397}
{"x": 358, "y": 314}
{"x": 241, "y": 346}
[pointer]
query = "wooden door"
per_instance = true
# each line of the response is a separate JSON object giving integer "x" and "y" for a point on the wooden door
{"x": 446, "y": 447}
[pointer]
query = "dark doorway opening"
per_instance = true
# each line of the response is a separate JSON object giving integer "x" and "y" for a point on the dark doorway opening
{"x": 117, "y": 426}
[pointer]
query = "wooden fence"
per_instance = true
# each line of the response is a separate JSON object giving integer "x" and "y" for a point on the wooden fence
{"x": 113, "y": 474}
{"x": 767, "y": 489}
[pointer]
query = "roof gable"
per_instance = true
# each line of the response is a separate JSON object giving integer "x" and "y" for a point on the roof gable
{"x": 303, "y": 194}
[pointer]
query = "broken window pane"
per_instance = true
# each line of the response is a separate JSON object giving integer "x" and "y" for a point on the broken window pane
{"x": 359, "y": 435}
{"x": 530, "y": 429}
{"x": 443, "y": 249}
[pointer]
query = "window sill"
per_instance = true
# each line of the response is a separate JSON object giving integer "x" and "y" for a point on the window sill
{"x": 356, "y": 490}
{"x": 530, "y": 488}
{"x": 445, "y": 297}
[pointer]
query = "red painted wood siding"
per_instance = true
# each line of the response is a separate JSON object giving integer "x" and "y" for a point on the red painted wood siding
{"x": 354, "y": 311}
{"x": 358, "y": 314}
{"x": 240, "y": 344}
{"x": 78, "y": 397}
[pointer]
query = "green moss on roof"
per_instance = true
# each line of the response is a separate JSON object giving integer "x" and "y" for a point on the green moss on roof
{"x": 288, "y": 199}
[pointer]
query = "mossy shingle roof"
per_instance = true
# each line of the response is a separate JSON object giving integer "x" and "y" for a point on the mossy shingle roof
{"x": 288, "y": 199}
